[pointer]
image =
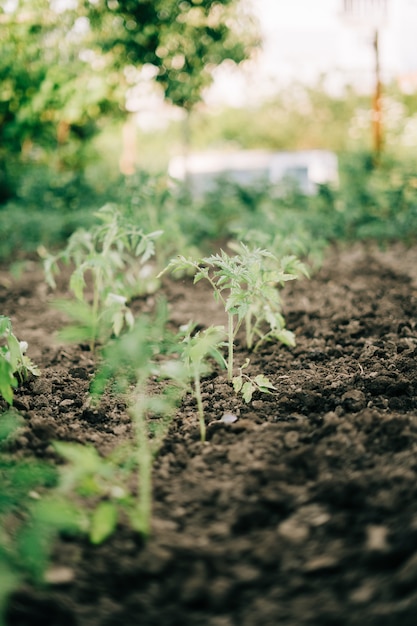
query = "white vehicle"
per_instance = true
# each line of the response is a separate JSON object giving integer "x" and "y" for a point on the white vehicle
{"x": 306, "y": 169}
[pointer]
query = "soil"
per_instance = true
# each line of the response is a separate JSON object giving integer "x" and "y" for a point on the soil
{"x": 302, "y": 512}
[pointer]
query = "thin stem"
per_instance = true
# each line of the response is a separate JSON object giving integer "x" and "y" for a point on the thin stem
{"x": 197, "y": 393}
{"x": 215, "y": 289}
{"x": 230, "y": 335}
{"x": 96, "y": 303}
{"x": 249, "y": 334}
{"x": 144, "y": 504}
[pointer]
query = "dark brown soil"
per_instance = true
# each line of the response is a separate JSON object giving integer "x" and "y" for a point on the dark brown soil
{"x": 303, "y": 512}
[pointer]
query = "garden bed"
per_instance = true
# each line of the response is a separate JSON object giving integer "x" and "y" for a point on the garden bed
{"x": 302, "y": 512}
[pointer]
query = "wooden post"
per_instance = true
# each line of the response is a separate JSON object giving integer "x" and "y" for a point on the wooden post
{"x": 377, "y": 105}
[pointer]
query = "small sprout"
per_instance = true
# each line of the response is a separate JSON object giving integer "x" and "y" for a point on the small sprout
{"x": 15, "y": 365}
{"x": 247, "y": 386}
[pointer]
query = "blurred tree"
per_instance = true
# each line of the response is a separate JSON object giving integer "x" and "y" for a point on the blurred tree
{"x": 52, "y": 96}
{"x": 183, "y": 39}
{"x": 64, "y": 66}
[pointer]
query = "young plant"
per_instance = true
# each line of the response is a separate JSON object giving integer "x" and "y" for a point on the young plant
{"x": 246, "y": 385}
{"x": 15, "y": 365}
{"x": 132, "y": 363}
{"x": 195, "y": 351}
{"x": 101, "y": 280}
{"x": 31, "y": 516}
{"x": 247, "y": 284}
{"x": 92, "y": 476}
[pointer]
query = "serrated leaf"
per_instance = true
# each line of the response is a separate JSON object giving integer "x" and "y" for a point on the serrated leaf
{"x": 129, "y": 318}
{"x": 77, "y": 283}
{"x": 5, "y": 325}
{"x": 85, "y": 458}
{"x": 58, "y": 513}
{"x": 103, "y": 522}
{"x": 247, "y": 391}
{"x": 79, "y": 311}
{"x": 118, "y": 323}
{"x": 15, "y": 353}
{"x": 76, "y": 334}
{"x": 237, "y": 383}
{"x": 263, "y": 381}
{"x": 286, "y": 337}
{"x": 30, "y": 366}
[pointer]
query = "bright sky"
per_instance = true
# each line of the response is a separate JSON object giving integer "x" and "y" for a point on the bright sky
{"x": 304, "y": 38}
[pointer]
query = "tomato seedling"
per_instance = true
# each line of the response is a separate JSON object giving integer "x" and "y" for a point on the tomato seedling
{"x": 15, "y": 365}
{"x": 246, "y": 385}
{"x": 247, "y": 284}
{"x": 196, "y": 350}
{"x": 101, "y": 280}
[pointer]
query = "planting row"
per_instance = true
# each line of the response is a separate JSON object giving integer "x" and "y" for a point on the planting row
{"x": 142, "y": 360}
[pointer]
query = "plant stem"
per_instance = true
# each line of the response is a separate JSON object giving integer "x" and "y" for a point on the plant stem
{"x": 230, "y": 338}
{"x": 96, "y": 303}
{"x": 197, "y": 392}
{"x": 248, "y": 325}
{"x": 144, "y": 504}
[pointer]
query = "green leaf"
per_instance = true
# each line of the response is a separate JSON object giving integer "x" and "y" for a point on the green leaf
{"x": 85, "y": 458}
{"x": 7, "y": 380}
{"x": 129, "y": 318}
{"x": 58, "y": 513}
{"x": 247, "y": 391}
{"x": 204, "y": 343}
{"x": 77, "y": 282}
{"x": 80, "y": 312}
{"x": 5, "y": 325}
{"x": 103, "y": 522}
{"x": 263, "y": 382}
{"x": 76, "y": 334}
{"x": 9, "y": 581}
{"x": 237, "y": 383}
{"x": 286, "y": 337}
{"x": 15, "y": 353}
{"x": 118, "y": 323}
{"x": 30, "y": 366}
{"x": 8, "y": 425}
{"x": 33, "y": 547}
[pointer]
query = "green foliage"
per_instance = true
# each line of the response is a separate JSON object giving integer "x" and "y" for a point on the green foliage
{"x": 370, "y": 202}
{"x": 47, "y": 207}
{"x": 158, "y": 204}
{"x": 131, "y": 363}
{"x": 247, "y": 286}
{"x": 15, "y": 365}
{"x": 196, "y": 349}
{"x": 152, "y": 370}
{"x": 377, "y": 203}
{"x": 111, "y": 255}
{"x": 184, "y": 41}
{"x": 300, "y": 117}
{"x": 65, "y": 70}
{"x": 247, "y": 385}
{"x": 52, "y": 97}
{"x": 30, "y": 518}
{"x": 306, "y": 117}
{"x": 100, "y": 479}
